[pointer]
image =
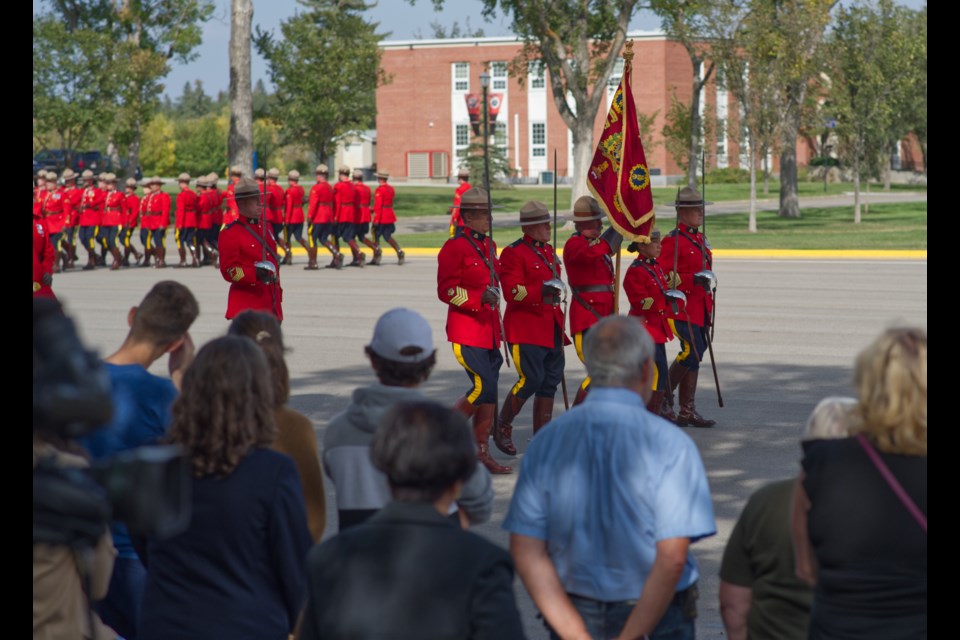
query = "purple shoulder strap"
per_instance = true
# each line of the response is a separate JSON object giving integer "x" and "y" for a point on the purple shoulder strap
{"x": 892, "y": 481}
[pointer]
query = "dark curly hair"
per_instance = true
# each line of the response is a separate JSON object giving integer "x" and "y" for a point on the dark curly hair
{"x": 225, "y": 408}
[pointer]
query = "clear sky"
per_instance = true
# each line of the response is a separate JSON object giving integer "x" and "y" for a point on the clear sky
{"x": 396, "y": 17}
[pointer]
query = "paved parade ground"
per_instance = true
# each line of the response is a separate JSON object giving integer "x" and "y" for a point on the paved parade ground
{"x": 787, "y": 332}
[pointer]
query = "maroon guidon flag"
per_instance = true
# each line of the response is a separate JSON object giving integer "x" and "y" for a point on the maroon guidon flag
{"x": 619, "y": 178}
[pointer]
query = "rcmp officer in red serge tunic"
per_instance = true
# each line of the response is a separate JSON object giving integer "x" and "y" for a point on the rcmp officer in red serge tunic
{"x": 248, "y": 257}
{"x": 533, "y": 321}
{"x": 590, "y": 274}
{"x": 473, "y": 325}
{"x": 688, "y": 247}
{"x": 646, "y": 285}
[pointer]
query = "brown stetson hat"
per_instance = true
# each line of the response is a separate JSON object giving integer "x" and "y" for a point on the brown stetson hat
{"x": 689, "y": 197}
{"x": 183, "y": 177}
{"x": 475, "y": 198}
{"x": 585, "y": 209}
{"x": 69, "y": 174}
{"x": 259, "y": 174}
{"x": 131, "y": 182}
{"x": 383, "y": 174}
{"x": 463, "y": 173}
{"x": 322, "y": 168}
{"x": 534, "y": 212}
{"x": 293, "y": 175}
{"x": 273, "y": 173}
{"x": 246, "y": 188}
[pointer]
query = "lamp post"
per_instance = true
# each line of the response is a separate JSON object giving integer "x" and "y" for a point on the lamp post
{"x": 485, "y": 84}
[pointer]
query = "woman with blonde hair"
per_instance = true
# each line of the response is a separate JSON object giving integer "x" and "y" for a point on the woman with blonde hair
{"x": 238, "y": 569}
{"x": 295, "y": 433}
{"x": 859, "y": 528}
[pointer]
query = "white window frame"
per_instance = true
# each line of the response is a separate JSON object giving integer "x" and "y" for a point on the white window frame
{"x": 460, "y": 77}
{"x": 538, "y": 149}
{"x": 498, "y": 76}
{"x": 536, "y": 75}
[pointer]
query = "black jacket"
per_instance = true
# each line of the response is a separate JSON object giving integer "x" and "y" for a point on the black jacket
{"x": 408, "y": 572}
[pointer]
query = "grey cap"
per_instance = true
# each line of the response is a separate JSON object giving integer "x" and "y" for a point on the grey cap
{"x": 402, "y": 335}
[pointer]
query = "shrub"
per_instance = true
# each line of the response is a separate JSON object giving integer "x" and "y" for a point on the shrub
{"x": 728, "y": 175}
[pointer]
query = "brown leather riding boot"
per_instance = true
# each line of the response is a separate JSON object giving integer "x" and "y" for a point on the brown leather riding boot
{"x": 183, "y": 257}
{"x": 581, "y": 395}
{"x": 116, "y": 258}
{"x": 542, "y": 412}
{"x": 91, "y": 261}
{"x": 688, "y": 416}
{"x": 656, "y": 402}
{"x": 147, "y": 254}
{"x": 160, "y": 253}
{"x": 464, "y": 406}
{"x": 503, "y": 433}
{"x": 482, "y": 424}
{"x": 675, "y": 375}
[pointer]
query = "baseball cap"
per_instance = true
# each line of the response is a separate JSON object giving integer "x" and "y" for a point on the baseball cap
{"x": 402, "y": 335}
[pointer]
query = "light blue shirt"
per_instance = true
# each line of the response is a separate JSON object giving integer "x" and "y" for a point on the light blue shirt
{"x": 601, "y": 485}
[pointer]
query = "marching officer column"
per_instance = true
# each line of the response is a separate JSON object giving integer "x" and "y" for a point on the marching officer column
{"x": 293, "y": 215}
{"x": 685, "y": 255}
{"x": 112, "y": 219}
{"x": 131, "y": 217}
{"x": 384, "y": 218}
{"x": 468, "y": 283}
{"x": 534, "y": 322}
{"x": 590, "y": 274}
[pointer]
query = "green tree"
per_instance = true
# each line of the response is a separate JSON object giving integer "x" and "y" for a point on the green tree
{"x": 194, "y": 102}
{"x": 201, "y": 144}
{"x": 159, "y": 155}
{"x": 315, "y": 107}
{"x": 699, "y": 26}
{"x": 71, "y": 91}
{"x": 143, "y": 37}
{"x": 868, "y": 47}
{"x": 578, "y": 42}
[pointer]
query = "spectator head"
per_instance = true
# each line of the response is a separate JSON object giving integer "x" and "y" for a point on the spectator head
{"x": 618, "y": 352}
{"x": 424, "y": 449}
{"x": 225, "y": 407}
{"x": 401, "y": 351}
{"x": 164, "y": 315}
{"x": 833, "y": 417}
{"x": 264, "y": 329}
{"x": 890, "y": 376}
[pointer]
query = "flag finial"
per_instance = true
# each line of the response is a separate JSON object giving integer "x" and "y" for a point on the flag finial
{"x": 628, "y": 51}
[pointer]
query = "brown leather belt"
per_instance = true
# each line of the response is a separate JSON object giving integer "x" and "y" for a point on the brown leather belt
{"x": 114, "y": 209}
{"x": 594, "y": 288}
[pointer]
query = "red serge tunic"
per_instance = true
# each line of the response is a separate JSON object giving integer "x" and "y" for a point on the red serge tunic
{"x": 463, "y": 274}
{"x": 321, "y": 204}
{"x": 71, "y": 206}
{"x": 131, "y": 210}
{"x": 274, "y": 203}
{"x": 53, "y": 214}
{"x": 344, "y": 202}
{"x": 588, "y": 265}
{"x": 362, "y": 201}
{"x": 186, "y": 215}
{"x": 383, "y": 205}
{"x": 91, "y": 207}
{"x": 645, "y": 286}
{"x": 239, "y": 250}
{"x": 293, "y": 205}
{"x": 43, "y": 258}
{"x": 455, "y": 218}
{"x": 112, "y": 210}
{"x": 527, "y": 319}
{"x": 692, "y": 255}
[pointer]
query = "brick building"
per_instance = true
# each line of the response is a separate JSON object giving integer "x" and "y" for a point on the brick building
{"x": 423, "y": 120}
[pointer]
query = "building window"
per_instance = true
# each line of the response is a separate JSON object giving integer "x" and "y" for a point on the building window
{"x": 615, "y": 76}
{"x": 538, "y": 139}
{"x": 461, "y": 76}
{"x": 535, "y": 74}
{"x": 498, "y": 71}
{"x": 500, "y": 135}
{"x": 463, "y": 135}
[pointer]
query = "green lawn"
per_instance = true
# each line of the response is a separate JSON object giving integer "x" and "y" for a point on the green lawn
{"x": 899, "y": 226}
{"x": 425, "y": 201}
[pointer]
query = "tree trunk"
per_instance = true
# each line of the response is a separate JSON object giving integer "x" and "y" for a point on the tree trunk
{"x": 240, "y": 139}
{"x": 886, "y": 170}
{"x": 752, "y": 220}
{"x": 582, "y": 157}
{"x": 113, "y": 154}
{"x": 789, "y": 202}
